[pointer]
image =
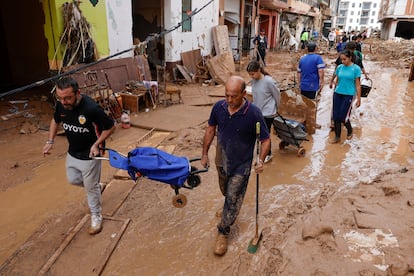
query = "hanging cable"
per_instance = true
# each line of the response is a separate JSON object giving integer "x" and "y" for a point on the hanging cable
{"x": 160, "y": 34}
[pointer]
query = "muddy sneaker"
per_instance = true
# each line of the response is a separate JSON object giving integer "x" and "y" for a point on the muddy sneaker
{"x": 221, "y": 244}
{"x": 268, "y": 158}
{"x": 96, "y": 224}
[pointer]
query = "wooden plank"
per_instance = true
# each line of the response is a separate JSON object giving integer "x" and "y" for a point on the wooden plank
{"x": 190, "y": 60}
{"x": 155, "y": 141}
{"x": 221, "y": 67}
{"x": 221, "y": 39}
{"x": 63, "y": 245}
{"x": 115, "y": 242}
{"x": 184, "y": 72}
{"x": 118, "y": 72}
{"x": 167, "y": 148}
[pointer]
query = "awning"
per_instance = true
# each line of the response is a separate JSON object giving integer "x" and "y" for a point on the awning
{"x": 232, "y": 17}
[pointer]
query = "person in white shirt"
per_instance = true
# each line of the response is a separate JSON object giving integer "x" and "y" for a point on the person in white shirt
{"x": 331, "y": 38}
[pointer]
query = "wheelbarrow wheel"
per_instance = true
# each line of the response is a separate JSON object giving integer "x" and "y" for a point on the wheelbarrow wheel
{"x": 193, "y": 181}
{"x": 301, "y": 152}
{"x": 179, "y": 201}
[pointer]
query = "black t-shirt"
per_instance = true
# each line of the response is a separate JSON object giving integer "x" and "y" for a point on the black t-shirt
{"x": 82, "y": 125}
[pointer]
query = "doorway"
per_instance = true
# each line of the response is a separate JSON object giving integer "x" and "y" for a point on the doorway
{"x": 148, "y": 20}
{"x": 23, "y": 45}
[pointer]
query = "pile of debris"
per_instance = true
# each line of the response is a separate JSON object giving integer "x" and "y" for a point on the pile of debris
{"x": 398, "y": 52}
{"x": 208, "y": 69}
{"x": 76, "y": 37}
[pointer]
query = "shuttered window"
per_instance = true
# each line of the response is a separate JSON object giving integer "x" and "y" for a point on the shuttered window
{"x": 186, "y": 10}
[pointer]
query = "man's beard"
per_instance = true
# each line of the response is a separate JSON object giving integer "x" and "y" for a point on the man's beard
{"x": 72, "y": 106}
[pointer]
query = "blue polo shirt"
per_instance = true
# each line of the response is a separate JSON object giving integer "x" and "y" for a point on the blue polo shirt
{"x": 237, "y": 135}
{"x": 308, "y": 68}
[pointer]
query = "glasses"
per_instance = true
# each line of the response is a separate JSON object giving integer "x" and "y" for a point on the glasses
{"x": 64, "y": 99}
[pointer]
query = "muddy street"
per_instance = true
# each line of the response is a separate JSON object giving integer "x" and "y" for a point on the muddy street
{"x": 342, "y": 209}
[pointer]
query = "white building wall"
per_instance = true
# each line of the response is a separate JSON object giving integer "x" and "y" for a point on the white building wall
{"x": 119, "y": 18}
{"x": 400, "y": 7}
{"x": 200, "y": 36}
{"x": 354, "y": 11}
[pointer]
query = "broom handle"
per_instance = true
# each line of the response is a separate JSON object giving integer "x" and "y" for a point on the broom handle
{"x": 257, "y": 177}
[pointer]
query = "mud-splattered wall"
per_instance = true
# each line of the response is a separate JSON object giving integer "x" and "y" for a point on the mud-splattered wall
{"x": 119, "y": 26}
{"x": 200, "y": 36}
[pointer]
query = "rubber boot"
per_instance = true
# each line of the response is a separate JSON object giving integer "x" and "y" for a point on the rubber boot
{"x": 349, "y": 129}
{"x": 221, "y": 244}
{"x": 337, "y": 128}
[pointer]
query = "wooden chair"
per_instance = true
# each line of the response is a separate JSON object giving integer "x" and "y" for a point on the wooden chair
{"x": 167, "y": 89}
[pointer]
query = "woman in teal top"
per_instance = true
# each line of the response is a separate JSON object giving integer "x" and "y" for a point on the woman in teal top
{"x": 347, "y": 87}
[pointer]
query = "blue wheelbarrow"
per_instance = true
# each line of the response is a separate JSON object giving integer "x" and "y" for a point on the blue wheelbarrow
{"x": 158, "y": 165}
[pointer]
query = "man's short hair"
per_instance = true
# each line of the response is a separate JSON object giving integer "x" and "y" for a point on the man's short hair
{"x": 67, "y": 82}
{"x": 311, "y": 46}
{"x": 351, "y": 45}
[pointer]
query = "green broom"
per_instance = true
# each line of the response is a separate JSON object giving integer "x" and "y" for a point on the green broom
{"x": 254, "y": 243}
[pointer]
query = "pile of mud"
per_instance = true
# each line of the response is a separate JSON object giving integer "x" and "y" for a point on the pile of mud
{"x": 398, "y": 52}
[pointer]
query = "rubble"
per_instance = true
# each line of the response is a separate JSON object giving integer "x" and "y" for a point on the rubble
{"x": 398, "y": 52}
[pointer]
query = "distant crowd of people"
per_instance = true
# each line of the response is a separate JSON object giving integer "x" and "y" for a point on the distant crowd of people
{"x": 339, "y": 39}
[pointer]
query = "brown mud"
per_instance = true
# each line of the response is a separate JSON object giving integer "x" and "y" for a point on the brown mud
{"x": 344, "y": 209}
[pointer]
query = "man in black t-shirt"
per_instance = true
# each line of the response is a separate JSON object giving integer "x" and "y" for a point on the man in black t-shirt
{"x": 86, "y": 126}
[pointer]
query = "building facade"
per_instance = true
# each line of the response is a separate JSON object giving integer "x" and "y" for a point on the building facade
{"x": 397, "y": 18}
{"x": 358, "y": 15}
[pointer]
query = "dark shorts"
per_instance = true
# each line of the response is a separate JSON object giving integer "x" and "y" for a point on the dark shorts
{"x": 309, "y": 94}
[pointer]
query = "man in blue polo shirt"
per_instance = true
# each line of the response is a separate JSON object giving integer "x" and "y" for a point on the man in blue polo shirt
{"x": 311, "y": 72}
{"x": 234, "y": 120}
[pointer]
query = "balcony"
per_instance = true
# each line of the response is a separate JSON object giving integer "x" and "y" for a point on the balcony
{"x": 327, "y": 12}
{"x": 274, "y": 4}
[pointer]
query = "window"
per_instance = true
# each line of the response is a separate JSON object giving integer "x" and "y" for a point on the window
{"x": 375, "y": 5}
{"x": 353, "y": 5}
{"x": 366, "y": 5}
{"x": 352, "y": 12}
{"x": 373, "y": 13}
{"x": 350, "y": 20}
{"x": 372, "y": 21}
{"x": 186, "y": 9}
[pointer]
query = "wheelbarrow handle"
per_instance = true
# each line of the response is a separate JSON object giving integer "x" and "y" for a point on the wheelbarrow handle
{"x": 100, "y": 158}
{"x": 198, "y": 171}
